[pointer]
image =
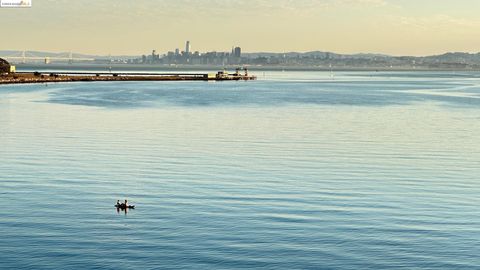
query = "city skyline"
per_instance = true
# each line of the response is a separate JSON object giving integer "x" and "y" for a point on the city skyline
{"x": 391, "y": 27}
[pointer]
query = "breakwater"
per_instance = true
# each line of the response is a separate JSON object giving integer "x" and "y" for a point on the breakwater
{"x": 49, "y": 77}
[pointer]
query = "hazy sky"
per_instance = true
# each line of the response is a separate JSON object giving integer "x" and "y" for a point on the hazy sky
{"x": 399, "y": 27}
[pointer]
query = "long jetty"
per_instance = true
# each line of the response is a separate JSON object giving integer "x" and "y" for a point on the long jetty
{"x": 51, "y": 77}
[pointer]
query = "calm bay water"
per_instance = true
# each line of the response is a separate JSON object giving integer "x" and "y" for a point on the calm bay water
{"x": 296, "y": 170}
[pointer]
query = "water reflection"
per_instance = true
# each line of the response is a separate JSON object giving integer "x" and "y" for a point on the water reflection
{"x": 123, "y": 210}
{"x": 301, "y": 186}
{"x": 359, "y": 90}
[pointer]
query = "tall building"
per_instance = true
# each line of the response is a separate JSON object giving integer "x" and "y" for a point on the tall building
{"x": 154, "y": 58}
{"x": 187, "y": 47}
{"x": 237, "y": 52}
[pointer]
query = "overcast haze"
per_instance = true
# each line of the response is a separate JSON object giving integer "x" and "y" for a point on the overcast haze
{"x": 397, "y": 27}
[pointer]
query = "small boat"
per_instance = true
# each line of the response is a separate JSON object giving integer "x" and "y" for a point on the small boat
{"x": 122, "y": 206}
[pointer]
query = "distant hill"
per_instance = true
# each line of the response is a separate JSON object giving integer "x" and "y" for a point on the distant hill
{"x": 446, "y": 60}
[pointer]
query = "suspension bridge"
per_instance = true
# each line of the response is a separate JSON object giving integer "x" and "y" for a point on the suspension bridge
{"x": 27, "y": 56}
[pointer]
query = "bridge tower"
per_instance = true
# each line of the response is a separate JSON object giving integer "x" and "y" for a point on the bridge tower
{"x": 24, "y": 57}
{"x": 70, "y": 58}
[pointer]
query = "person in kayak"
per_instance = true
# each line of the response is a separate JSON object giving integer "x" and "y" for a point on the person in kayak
{"x": 124, "y": 205}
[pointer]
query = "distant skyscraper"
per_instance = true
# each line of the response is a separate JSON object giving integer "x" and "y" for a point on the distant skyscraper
{"x": 238, "y": 52}
{"x": 187, "y": 47}
{"x": 177, "y": 51}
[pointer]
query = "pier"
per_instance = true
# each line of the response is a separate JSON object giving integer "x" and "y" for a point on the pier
{"x": 46, "y": 77}
{"x": 8, "y": 75}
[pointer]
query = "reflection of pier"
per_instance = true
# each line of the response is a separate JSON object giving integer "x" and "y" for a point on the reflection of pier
{"x": 45, "y": 77}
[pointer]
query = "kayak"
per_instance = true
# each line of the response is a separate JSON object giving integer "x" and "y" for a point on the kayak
{"x": 123, "y": 207}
